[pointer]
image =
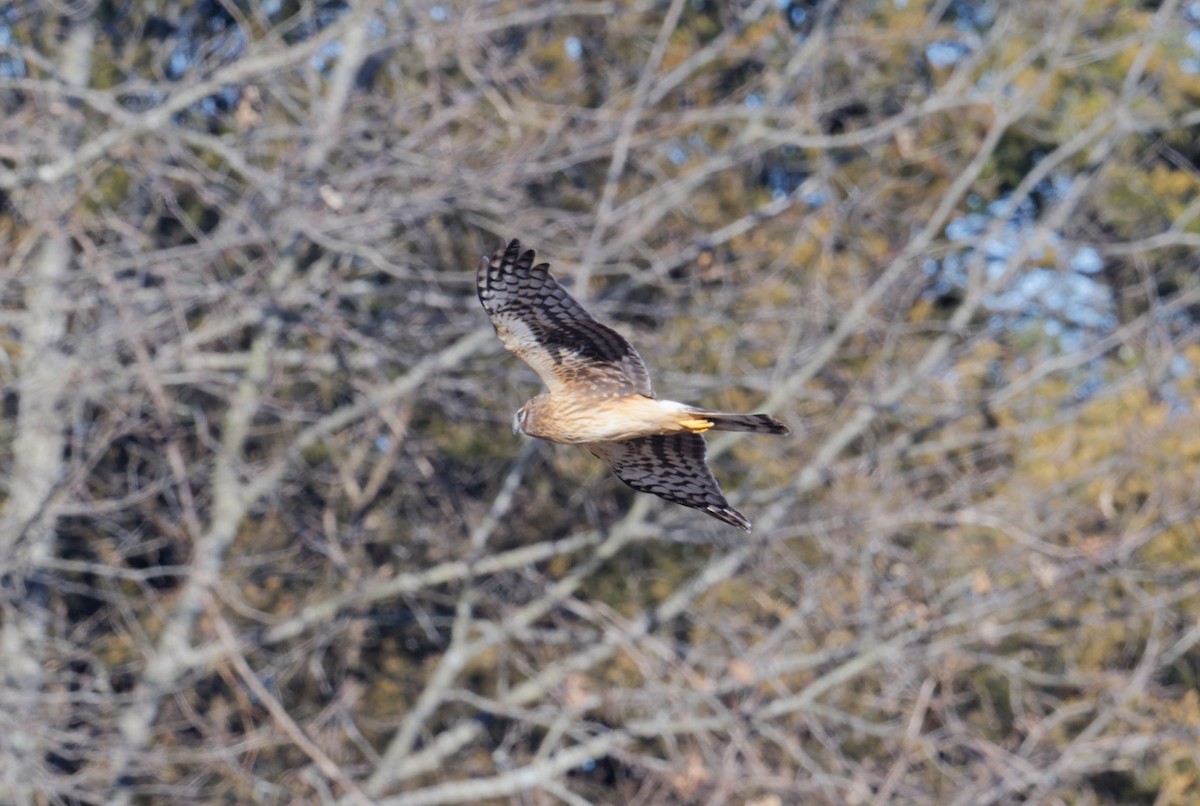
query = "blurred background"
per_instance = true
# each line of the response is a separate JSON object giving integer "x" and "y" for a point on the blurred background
{"x": 266, "y": 535}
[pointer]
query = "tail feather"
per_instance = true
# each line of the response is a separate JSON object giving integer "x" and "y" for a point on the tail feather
{"x": 757, "y": 423}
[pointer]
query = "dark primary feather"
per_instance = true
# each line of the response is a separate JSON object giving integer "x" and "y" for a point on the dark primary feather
{"x": 546, "y": 327}
{"x": 671, "y": 466}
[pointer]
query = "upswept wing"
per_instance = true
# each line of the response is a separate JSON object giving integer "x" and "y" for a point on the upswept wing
{"x": 545, "y": 327}
{"x": 671, "y": 466}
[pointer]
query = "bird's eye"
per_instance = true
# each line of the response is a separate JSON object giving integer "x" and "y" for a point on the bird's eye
{"x": 518, "y": 420}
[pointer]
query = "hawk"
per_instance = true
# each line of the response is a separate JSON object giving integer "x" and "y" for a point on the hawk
{"x": 599, "y": 393}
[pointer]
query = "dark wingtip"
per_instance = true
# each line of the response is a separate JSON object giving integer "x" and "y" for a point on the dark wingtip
{"x": 730, "y": 516}
{"x": 505, "y": 248}
{"x": 774, "y": 426}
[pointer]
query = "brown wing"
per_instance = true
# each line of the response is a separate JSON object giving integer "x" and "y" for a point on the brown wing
{"x": 546, "y": 328}
{"x": 671, "y": 466}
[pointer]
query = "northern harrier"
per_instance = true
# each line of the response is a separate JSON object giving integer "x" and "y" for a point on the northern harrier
{"x": 599, "y": 391}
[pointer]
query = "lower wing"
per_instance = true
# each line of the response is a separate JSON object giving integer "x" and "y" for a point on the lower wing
{"x": 671, "y": 466}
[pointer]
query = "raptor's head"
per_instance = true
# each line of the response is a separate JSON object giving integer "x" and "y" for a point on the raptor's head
{"x": 519, "y": 420}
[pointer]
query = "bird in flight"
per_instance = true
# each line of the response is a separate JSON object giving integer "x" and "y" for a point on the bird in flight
{"x": 599, "y": 393}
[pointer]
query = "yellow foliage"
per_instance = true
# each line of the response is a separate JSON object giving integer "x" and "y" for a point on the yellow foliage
{"x": 1184, "y": 84}
{"x": 1029, "y": 80}
{"x": 1176, "y": 547}
{"x": 623, "y": 672}
{"x": 1127, "y": 458}
{"x": 921, "y": 311}
{"x": 1173, "y": 184}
